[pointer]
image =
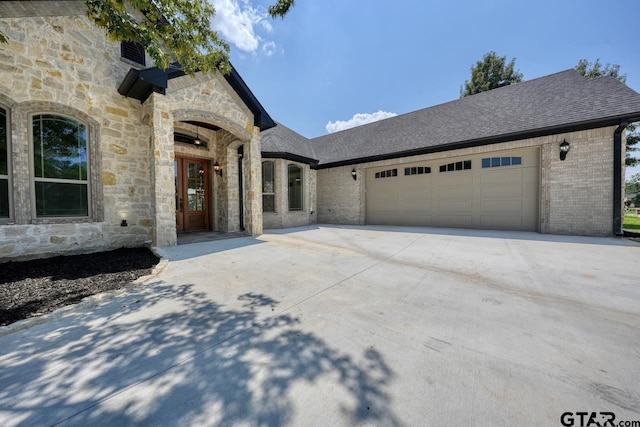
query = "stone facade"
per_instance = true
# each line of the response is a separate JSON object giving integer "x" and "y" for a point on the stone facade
{"x": 575, "y": 194}
{"x": 65, "y": 65}
{"x": 282, "y": 217}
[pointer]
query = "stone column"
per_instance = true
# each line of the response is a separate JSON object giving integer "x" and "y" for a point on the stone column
{"x": 163, "y": 176}
{"x": 253, "y": 184}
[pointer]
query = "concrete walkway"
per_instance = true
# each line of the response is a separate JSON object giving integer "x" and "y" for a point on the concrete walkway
{"x": 345, "y": 326}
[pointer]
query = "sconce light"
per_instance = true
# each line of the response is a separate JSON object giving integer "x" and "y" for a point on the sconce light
{"x": 123, "y": 223}
{"x": 564, "y": 149}
{"x": 354, "y": 175}
{"x": 197, "y": 140}
{"x": 217, "y": 168}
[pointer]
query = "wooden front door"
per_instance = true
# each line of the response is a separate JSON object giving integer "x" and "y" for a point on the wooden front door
{"x": 192, "y": 194}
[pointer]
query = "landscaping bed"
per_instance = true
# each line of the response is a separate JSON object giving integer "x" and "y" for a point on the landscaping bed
{"x": 32, "y": 288}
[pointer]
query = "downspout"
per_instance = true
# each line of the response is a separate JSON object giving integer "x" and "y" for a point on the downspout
{"x": 617, "y": 178}
{"x": 241, "y": 187}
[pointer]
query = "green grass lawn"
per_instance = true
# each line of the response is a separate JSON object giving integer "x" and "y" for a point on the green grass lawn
{"x": 631, "y": 221}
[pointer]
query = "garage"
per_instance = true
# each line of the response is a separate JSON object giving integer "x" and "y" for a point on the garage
{"x": 497, "y": 190}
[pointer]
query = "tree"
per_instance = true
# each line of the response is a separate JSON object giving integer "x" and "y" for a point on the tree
{"x": 633, "y": 187}
{"x": 596, "y": 69}
{"x": 170, "y": 30}
{"x": 491, "y": 73}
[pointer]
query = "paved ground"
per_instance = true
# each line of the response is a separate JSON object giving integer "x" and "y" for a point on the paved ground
{"x": 345, "y": 326}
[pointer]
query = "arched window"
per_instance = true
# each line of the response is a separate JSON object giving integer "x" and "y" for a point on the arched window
{"x": 4, "y": 164}
{"x": 60, "y": 166}
{"x": 295, "y": 188}
{"x": 268, "y": 187}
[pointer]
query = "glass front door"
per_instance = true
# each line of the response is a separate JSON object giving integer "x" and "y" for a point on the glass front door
{"x": 192, "y": 194}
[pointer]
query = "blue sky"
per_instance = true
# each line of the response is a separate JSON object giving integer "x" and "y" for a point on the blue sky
{"x": 331, "y": 63}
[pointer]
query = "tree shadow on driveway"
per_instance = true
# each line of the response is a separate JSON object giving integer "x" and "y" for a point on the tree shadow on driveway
{"x": 167, "y": 355}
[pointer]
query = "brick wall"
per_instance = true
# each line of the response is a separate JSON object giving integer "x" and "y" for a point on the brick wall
{"x": 576, "y": 195}
{"x": 283, "y": 217}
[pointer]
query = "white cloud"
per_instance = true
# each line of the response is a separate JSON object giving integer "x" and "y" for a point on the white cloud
{"x": 358, "y": 120}
{"x": 237, "y": 21}
{"x": 268, "y": 48}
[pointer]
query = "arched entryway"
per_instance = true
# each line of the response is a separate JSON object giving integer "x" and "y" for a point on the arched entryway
{"x": 208, "y": 176}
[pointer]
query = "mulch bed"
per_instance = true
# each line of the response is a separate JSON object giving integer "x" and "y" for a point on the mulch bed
{"x": 32, "y": 288}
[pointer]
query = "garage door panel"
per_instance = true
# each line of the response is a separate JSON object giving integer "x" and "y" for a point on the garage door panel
{"x": 499, "y": 191}
{"x": 501, "y": 222}
{"x": 511, "y": 206}
{"x": 416, "y": 219}
{"x": 450, "y": 192}
{"x": 497, "y": 176}
{"x": 453, "y": 206}
{"x": 455, "y": 178}
{"x": 464, "y": 221}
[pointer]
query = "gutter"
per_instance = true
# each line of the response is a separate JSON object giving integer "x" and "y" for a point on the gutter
{"x": 289, "y": 156}
{"x": 617, "y": 178}
{"x": 552, "y": 130}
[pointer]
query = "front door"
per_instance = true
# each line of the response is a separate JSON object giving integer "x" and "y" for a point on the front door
{"x": 192, "y": 194}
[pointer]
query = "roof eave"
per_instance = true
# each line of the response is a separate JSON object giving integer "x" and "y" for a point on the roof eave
{"x": 552, "y": 130}
{"x": 261, "y": 118}
{"x": 140, "y": 84}
{"x": 290, "y": 156}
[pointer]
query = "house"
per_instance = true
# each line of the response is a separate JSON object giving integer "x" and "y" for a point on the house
{"x": 100, "y": 149}
{"x": 545, "y": 155}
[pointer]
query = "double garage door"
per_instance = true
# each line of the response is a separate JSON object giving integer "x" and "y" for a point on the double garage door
{"x": 496, "y": 190}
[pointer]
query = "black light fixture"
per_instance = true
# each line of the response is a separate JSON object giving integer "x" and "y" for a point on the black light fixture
{"x": 197, "y": 140}
{"x": 217, "y": 168}
{"x": 354, "y": 175}
{"x": 564, "y": 149}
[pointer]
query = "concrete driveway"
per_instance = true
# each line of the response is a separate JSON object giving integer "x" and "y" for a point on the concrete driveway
{"x": 345, "y": 326}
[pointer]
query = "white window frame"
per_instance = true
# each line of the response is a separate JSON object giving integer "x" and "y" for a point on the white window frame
{"x": 273, "y": 179}
{"x": 301, "y": 209}
{"x": 33, "y": 179}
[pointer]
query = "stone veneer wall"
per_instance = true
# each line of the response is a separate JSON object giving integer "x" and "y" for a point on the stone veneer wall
{"x": 282, "y": 217}
{"x": 576, "y": 195}
{"x": 65, "y": 65}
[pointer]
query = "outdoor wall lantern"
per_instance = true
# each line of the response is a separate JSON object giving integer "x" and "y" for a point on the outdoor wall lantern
{"x": 197, "y": 141}
{"x": 564, "y": 149}
{"x": 354, "y": 175}
{"x": 217, "y": 168}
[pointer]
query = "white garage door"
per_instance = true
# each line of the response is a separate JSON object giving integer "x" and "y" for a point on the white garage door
{"x": 497, "y": 190}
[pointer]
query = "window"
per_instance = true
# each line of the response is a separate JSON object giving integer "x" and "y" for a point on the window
{"x": 268, "y": 192}
{"x": 457, "y": 166}
{"x": 386, "y": 174}
{"x": 60, "y": 165}
{"x": 4, "y": 165}
{"x": 417, "y": 170}
{"x": 295, "y": 188}
{"x": 133, "y": 52}
{"x": 495, "y": 162}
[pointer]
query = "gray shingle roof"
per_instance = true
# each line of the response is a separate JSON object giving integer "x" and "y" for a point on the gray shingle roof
{"x": 550, "y": 104}
{"x": 281, "y": 139}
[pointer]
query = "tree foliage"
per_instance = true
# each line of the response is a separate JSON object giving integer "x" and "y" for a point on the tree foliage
{"x": 170, "y": 30}
{"x": 591, "y": 70}
{"x": 491, "y": 73}
{"x": 632, "y": 187}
